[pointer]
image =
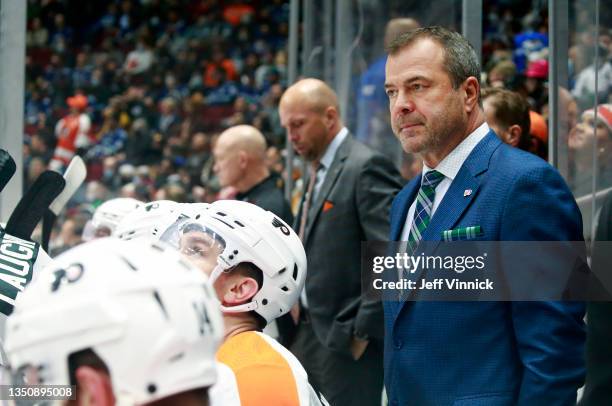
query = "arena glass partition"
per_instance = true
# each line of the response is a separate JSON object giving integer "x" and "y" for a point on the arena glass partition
{"x": 580, "y": 118}
{"x": 342, "y": 42}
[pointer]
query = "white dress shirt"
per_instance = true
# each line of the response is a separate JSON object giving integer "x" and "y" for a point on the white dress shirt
{"x": 327, "y": 159}
{"x": 449, "y": 167}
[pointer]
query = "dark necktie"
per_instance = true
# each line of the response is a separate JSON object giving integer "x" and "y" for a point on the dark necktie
{"x": 308, "y": 199}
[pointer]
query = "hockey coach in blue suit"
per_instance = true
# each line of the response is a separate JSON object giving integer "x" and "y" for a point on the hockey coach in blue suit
{"x": 473, "y": 353}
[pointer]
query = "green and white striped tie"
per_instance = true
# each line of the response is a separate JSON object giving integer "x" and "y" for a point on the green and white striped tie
{"x": 424, "y": 206}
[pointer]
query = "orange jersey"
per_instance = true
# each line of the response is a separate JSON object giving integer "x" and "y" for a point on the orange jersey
{"x": 255, "y": 370}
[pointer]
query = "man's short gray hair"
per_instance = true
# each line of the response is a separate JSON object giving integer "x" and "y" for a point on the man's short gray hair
{"x": 460, "y": 58}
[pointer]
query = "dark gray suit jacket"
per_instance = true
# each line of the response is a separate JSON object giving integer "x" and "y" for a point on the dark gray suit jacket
{"x": 352, "y": 206}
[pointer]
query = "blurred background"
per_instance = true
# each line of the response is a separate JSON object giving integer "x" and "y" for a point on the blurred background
{"x": 150, "y": 84}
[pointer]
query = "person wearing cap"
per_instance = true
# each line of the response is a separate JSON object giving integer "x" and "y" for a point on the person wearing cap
{"x": 535, "y": 83}
{"x": 591, "y": 133}
{"x": 72, "y": 132}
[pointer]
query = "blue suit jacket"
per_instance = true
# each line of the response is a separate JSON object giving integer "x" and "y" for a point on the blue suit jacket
{"x": 490, "y": 353}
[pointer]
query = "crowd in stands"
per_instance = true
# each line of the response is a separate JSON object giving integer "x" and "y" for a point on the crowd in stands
{"x": 516, "y": 57}
{"x": 161, "y": 79}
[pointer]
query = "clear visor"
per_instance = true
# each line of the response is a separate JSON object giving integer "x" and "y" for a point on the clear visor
{"x": 199, "y": 243}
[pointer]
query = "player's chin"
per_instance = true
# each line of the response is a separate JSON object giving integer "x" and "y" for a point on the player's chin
{"x": 413, "y": 144}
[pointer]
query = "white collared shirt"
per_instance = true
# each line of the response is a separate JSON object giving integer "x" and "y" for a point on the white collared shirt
{"x": 327, "y": 159}
{"x": 449, "y": 167}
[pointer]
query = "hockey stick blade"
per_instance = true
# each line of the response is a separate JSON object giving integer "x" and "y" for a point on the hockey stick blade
{"x": 34, "y": 203}
{"x": 74, "y": 176}
{"x": 7, "y": 168}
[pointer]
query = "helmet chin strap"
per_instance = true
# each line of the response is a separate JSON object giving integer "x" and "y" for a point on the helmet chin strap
{"x": 245, "y": 307}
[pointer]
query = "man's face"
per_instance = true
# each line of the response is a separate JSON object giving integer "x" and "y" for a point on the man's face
{"x": 227, "y": 165}
{"x": 306, "y": 129}
{"x": 102, "y": 231}
{"x": 582, "y": 137}
{"x": 425, "y": 109}
{"x": 201, "y": 249}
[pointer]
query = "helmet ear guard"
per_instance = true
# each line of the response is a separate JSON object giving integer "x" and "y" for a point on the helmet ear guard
{"x": 254, "y": 235}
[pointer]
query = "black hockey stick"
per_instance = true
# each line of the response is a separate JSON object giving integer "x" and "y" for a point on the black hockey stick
{"x": 7, "y": 168}
{"x": 34, "y": 203}
{"x": 74, "y": 176}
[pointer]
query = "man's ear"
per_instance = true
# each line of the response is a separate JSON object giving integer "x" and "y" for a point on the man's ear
{"x": 243, "y": 159}
{"x": 330, "y": 116}
{"x": 514, "y": 133}
{"x": 239, "y": 290}
{"x": 95, "y": 387}
{"x": 472, "y": 91}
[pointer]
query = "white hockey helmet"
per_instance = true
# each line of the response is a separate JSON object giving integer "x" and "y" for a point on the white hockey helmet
{"x": 146, "y": 312}
{"x": 110, "y": 213}
{"x": 144, "y": 222}
{"x": 240, "y": 232}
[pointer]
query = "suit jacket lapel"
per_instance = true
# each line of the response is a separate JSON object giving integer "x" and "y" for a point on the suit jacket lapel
{"x": 455, "y": 202}
{"x": 405, "y": 199}
{"x": 330, "y": 179}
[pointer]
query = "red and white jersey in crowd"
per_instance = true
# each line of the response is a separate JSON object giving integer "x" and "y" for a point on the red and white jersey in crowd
{"x": 72, "y": 133}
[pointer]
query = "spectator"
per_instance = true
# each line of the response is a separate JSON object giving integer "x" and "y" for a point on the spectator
{"x": 72, "y": 132}
{"x": 502, "y": 75}
{"x": 70, "y": 234}
{"x": 219, "y": 61}
{"x": 538, "y": 131}
{"x": 372, "y": 102}
{"x": 584, "y": 90}
{"x": 535, "y": 84}
{"x": 140, "y": 59}
{"x": 111, "y": 138}
{"x": 583, "y": 139}
{"x": 507, "y": 113}
{"x": 37, "y": 35}
{"x": 168, "y": 118}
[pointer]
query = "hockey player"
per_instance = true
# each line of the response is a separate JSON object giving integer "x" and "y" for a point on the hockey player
{"x": 257, "y": 266}
{"x": 107, "y": 217}
{"x": 72, "y": 132}
{"x": 128, "y": 323}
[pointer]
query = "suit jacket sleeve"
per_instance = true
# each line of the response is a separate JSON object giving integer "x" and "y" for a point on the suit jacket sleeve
{"x": 550, "y": 335}
{"x": 598, "y": 388}
{"x": 377, "y": 185}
